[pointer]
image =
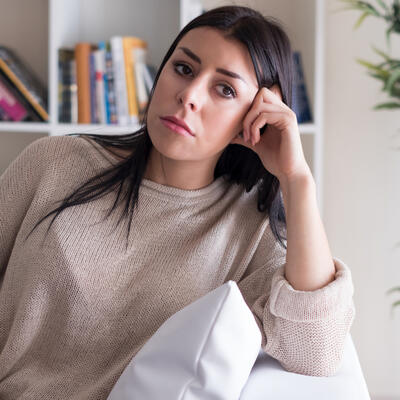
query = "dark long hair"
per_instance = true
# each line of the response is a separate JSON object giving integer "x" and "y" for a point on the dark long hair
{"x": 271, "y": 54}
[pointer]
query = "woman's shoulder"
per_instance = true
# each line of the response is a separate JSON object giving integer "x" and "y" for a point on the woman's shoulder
{"x": 75, "y": 147}
{"x": 68, "y": 153}
{"x": 112, "y": 153}
{"x": 51, "y": 144}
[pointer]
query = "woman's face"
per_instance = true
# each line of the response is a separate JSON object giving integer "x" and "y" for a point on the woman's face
{"x": 211, "y": 103}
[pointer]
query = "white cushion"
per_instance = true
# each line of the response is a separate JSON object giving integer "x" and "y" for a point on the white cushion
{"x": 204, "y": 351}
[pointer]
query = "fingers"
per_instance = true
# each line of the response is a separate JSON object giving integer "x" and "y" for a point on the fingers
{"x": 259, "y": 122}
{"x": 264, "y": 96}
{"x": 257, "y": 118}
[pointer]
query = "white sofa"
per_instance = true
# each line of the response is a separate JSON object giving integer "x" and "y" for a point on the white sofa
{"x": 211, "y": 350}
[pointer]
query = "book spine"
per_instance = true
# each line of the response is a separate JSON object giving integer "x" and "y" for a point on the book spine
{"x": 60, "y": 81}
{"x": 32, "y": 113}
{"x": 103, "y": 47}
{"x": 148, "y": 78}
{"x": 25, "y": 81}
{"x": 74, "y": 92}
{"x": 121, "y": 96}
{"x": 4, "y": 116}
{"x": 94, "y": 118}
{"x": 64, "y": 84}
{"x": 129, "y": 43}
{"x": 82, "y": 57}
{"x": 99, "y": 68}
{"x": 112, "y": 106}
{"x": 300, "y": 102}
{"x": 10, "y": 105}
{"x": 142, "y": 97}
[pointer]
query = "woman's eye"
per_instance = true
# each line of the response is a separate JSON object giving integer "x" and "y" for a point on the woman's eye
{"x": 231, "y": 93}
{"x": 176, "y": 65}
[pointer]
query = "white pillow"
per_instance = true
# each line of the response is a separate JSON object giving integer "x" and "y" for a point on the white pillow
{"x": 204, "y": 351}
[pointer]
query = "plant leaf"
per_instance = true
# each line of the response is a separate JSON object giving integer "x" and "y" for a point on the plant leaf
{"x": 383, "y": 5}
{"x": 360, "y": 20}
{"x": 360, "y": 6}
{"x": 395, "y": 289}
{"x": 381, "y": 53}
{"x": 396, "y": 303}
{"x": 388, "y": 32}
{"x": 368, "y": 7}
{"x": 393, "y": 79}
{"x": 384, "y": 79}
{"x": 373, "y": 67}
{"x": 389, "y": 105}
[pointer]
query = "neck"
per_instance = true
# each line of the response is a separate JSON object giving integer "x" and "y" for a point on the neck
{"x": 181, "y": 174}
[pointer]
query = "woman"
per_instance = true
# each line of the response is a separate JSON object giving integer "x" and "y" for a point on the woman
{"x": 198, "y": 206}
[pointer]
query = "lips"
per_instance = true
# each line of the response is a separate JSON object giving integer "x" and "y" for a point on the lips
{"x": 179, "y": 122}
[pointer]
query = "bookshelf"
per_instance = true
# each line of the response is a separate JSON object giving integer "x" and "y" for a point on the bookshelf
{"x": 51, "y": 24}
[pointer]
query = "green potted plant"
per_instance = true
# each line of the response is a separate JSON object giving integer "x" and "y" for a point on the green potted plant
{"x": 387, "y": 71}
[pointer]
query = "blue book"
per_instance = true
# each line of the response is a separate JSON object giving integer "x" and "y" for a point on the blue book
{"x": 93, "y": 103}
{"x": 300, "y": 100}
{"x": 103, "y": 46}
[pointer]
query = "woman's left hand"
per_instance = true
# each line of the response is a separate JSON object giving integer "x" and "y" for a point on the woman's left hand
{"x": 279, "y": 147}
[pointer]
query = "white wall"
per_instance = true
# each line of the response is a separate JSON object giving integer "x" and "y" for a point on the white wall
{"x": 362, "y": 191}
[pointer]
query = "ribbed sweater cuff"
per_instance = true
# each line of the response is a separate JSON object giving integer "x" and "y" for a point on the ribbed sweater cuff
{"x": 308, "y": 306}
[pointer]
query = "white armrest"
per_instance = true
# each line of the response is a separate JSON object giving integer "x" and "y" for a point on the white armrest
{"x": 269, "y": 380}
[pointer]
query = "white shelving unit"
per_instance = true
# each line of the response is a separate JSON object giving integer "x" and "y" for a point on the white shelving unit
{"x": 70, "y": 21}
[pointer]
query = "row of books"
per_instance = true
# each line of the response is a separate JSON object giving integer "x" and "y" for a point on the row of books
{"x": 22, "y": 96}
{"x": 107, "y": 83}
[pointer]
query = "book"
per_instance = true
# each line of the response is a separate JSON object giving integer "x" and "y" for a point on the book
{"x": 25, "y": 81}
{"x": 103, "y": 47}
{"x": 139, "y": 55}
{"x": 99, "y": 63}
{"x": 121, "y": 93}
{"x": 82, "y": 59}
{"x": 74, "y": 92}
{"x": 32, "y": 116}
{"x": 4, "y": 116}
{"x": 149, "y": 74}
{"x": 94, "y": 114}
{"x": 65, "y": 56}
{"x": 300, "y": 101}
{"x": 111, "y": 107}
{"x": 130, "y": 43}
{"x": 12, "y": 109}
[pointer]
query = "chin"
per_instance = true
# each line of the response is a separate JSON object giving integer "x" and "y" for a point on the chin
{"x": 163, "y": 144}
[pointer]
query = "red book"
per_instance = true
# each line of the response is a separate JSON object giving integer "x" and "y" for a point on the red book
{"x": 10, "y": 104}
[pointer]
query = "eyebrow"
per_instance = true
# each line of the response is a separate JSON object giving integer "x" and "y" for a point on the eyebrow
{"x": 196, "y": 58}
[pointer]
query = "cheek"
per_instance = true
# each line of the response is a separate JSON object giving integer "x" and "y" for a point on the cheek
{"x": 225, "y": 122}
{"x": 164, "y": 90}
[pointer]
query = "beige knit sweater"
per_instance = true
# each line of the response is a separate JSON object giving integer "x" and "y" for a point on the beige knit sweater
{"x": 74, "y": 312}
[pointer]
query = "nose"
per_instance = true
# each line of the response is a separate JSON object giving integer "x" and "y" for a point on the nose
{"x": 191, "y": 95}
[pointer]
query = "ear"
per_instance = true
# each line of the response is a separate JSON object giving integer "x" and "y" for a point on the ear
{"x": 275, "y": 88}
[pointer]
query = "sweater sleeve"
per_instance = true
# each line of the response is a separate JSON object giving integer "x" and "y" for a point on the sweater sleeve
{"x": 304, "y": 330}
{"x": 17, "y": 189}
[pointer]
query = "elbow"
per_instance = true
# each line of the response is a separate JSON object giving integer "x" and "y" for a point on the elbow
{"x": 323, "y": 364}
{"x": 319, "y": 370}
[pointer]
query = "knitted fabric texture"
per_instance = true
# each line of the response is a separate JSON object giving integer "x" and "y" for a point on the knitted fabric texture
{"x": 76, "y": 306}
